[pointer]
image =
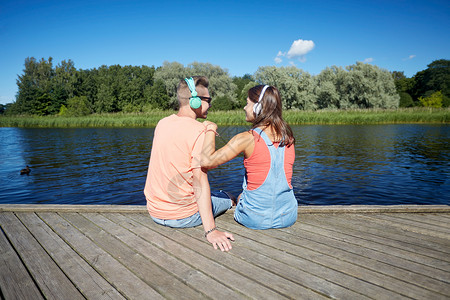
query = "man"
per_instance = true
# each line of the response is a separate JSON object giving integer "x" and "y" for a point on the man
{"x": 177, "y": 188}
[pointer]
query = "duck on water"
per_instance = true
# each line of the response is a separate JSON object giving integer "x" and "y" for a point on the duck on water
{"x": 26, "y": 171}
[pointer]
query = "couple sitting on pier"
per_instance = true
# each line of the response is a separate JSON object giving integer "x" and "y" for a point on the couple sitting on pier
{"x": 177, "y": 188}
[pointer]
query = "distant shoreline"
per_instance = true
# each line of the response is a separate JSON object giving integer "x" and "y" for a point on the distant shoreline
{"x": 237, "y": 117}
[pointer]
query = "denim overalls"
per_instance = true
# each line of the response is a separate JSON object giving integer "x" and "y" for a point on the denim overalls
{"x": 273, "y": 204}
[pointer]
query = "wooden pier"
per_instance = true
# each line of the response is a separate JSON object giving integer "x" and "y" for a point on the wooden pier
{"x": 118, "y": 252}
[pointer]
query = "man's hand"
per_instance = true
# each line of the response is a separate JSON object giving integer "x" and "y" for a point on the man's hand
{"x": 220, "y": 239}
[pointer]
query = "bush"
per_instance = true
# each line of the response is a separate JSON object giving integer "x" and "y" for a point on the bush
{"x": 405, "y": 100}
{"x": 76, "y": 107}
{"x": 222, "y": 103}
{"x": 434, "y": 100}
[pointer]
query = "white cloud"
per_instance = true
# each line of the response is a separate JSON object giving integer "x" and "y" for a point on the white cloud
{"x": 368, "y": 60}
{"x": 298, "y": 50}
{"x": 409, "y": 57}
{"x": 278, "y": 58}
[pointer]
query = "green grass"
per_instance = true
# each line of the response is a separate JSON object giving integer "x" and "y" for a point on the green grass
{"x": 224, "y": 118}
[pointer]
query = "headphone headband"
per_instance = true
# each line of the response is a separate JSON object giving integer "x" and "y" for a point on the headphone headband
{"x": 258, "y": 107}
{"x": 262, "y": 92}
{"x": 194, "y": 101}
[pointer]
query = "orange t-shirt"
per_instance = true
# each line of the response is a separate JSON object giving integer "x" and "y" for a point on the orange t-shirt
{"x": 176, "y": 149}
{"x": 257, "y": 166}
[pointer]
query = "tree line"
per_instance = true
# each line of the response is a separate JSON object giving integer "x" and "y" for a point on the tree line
{"x": 48, "y": 89}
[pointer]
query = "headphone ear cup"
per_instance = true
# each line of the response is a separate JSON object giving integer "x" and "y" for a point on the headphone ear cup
{"x": 195, "y": 102}
{"x": 257, "y": 108}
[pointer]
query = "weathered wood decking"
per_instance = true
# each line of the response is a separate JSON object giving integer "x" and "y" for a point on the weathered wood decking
{"x": 116, "y": 252}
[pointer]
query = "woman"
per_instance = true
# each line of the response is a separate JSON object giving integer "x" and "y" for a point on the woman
{"x": 267, "y": 200}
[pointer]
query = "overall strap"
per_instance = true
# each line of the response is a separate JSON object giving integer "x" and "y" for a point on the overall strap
{"x": 276, "y": 153}
{"x": 264, "y": 136}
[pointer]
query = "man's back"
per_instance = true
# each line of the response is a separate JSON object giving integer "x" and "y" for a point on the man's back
{"x": 176, "y": 149}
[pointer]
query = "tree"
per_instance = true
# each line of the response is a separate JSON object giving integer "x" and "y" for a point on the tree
{"x": 397, "y": 75}
{"x": 295, "y": 85}
{"x": 368, "y": 86}
{"x": 63, "y": 84}
{"x": 241, "y": 94}
{"x": 106, "y": 100}
{"x": 156, "y": 96}
{"x": 328, "y": 86}
{"x": 171, "y": 74}
{"x": 34, "y": 87}
{"x": 87, "y": 85}
{"x": 435, "y": 78}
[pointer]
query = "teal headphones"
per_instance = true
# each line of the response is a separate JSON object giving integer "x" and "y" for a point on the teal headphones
{"x": 194, "y": 101}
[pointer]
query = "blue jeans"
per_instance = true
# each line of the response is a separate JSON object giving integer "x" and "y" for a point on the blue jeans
{"x": 220, "y": 204}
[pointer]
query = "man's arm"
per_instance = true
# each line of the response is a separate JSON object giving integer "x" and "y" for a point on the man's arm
{"x": 203, "y": 197}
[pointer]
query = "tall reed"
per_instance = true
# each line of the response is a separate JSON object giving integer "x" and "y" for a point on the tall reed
{"x": 237, "y": 117}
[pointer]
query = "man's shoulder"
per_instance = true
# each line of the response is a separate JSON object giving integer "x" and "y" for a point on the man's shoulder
{"x": 180, "y": 124}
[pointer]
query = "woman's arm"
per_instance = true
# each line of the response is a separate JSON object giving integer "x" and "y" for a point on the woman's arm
{"x": 242, "y": 142}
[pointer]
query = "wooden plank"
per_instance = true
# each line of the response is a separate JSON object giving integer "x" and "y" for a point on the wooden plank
{"x": 162, "y": 281}
{"x": 368, "y": 249}
{"x": 15, "y": 281}
{"x": 127, "y": 283}
{"x": 212, "y": 263}
{"x": 436, "y": 219}
{"x": 433, "y": 244}
{"x": 430, "y": 242}
{"x": 52, "y": 282}
{"x": 368, "y": 209}
{"x": 366, "y": 258}
{"x": 417, "y": 225}
{"x": 372, "y": 229}
{"x": 279, "y": 283}
{"x": 298, "y": 248}
{"x": 380, "y": 238}
{"x": 178, "y": 268}
{"x": 87, "y": 280}
{"x": 304, "y": 209}
{"x": 279, "y": 252}
{"x": 285, "y": 268}
{"x": 72, "y": 208}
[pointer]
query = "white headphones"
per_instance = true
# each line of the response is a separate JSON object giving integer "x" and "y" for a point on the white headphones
{"x": 258, "y": 107}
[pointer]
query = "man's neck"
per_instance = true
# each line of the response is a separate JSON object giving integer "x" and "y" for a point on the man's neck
{"x": 186, "y": 111}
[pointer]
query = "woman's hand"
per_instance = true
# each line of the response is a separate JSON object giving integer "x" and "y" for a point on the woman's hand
{"x": 210, "y": 125}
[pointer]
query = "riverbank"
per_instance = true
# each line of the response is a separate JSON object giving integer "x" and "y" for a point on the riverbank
{"x": 236, "y": 117}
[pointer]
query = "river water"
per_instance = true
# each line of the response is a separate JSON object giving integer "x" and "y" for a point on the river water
{"x": 335, "y": 164}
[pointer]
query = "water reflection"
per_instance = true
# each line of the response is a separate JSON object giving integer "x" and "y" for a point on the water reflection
{"x": 379, "y": 164}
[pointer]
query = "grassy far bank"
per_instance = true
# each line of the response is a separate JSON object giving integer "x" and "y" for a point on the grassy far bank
{"x": 224, "y": 118}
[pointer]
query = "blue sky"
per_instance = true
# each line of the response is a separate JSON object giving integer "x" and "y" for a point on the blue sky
{"x": 239, "y": 36}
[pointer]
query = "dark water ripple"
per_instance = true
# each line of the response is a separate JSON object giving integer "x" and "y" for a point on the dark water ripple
{"x": 365, "y": 164}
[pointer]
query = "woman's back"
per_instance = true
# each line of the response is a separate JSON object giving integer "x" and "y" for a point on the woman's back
{"x": 257, "y": 166}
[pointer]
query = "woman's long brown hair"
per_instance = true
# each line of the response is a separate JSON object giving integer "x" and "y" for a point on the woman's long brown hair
{"x": 271, "y": 114}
